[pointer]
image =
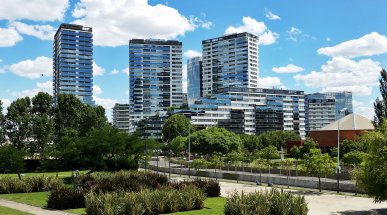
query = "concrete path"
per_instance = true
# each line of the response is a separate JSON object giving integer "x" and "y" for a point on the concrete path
{"x": 30, "y": 209}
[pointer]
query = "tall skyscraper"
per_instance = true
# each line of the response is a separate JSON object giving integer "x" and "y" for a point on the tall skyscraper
{"x": 230, "y": 61}
{"x": 73, "y": 62}
{"x": 194, "y": 79}
{"x": 321, "y": 109}
{"x": 155, "y": 77}
{"x": 121, "y": 117}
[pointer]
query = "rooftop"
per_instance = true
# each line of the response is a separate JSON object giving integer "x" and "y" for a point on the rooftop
{"x": 350, "y": 122}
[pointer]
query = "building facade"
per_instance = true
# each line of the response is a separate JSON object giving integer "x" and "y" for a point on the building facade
{"x": 155, "y": 77}
{"x": 73, "y": 62}
{"x": 252, "y": 111}
{"x": 194, "y": 79}
{"x": 121, "y": 117}
{"x": 323, "y": 108}
{"x": 230, "y": 61}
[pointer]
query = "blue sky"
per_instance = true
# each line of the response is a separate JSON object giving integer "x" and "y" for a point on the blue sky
{"x": 315, "y": 46}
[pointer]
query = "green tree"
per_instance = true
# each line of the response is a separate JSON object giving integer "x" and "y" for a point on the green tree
{"x": 295, "y": 152}
{"x": 178, "y": 144}
{"x": 260, "y": 164}
{"x": 176, "y": 125}
{"x": 277, "y": 138}
{"x": 199, "y": 164}
{"x": 18, "y": 123}
{"x": 215, "y": 140}
{"x": 11, "y": 159}
{"x": 318, "y": 164}
{"x": 380, "y": 105}
{"x": 309, "y": 144}
{"x": 251, "y": 143}
{"x": 42, "y": 122}
{"x": 216, "y": 162}
{"x": 269, "y": 153}
{"x": 372, "y": 174}
{"x": 354, "y": 158}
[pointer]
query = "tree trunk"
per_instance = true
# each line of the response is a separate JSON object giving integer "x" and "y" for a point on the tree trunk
{"x": 19, "y": 175}
{"x": 319, "y": 183}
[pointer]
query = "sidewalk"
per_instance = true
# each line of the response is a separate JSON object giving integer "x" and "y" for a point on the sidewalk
{"x": 30, "y": 209}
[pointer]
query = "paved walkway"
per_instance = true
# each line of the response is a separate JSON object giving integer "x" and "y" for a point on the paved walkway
{"x": 30, "y": 209}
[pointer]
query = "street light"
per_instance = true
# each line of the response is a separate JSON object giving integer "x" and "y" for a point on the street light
{"x": 338, "y": 150}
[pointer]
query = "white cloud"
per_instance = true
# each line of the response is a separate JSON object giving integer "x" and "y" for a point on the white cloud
{"x": 362, "y": 109}
{"x": 290, "y": 68}
{"x": 6, "y": 104}
{"x": 126, "y": 71}
{"x": 43, "y": 32}
{"x": 368, "y": 45}
{"x": 202, "y": 23}
{"x": 33, "y": 69}
{"x": 97, "y": 70}
{"x": 296, "y": 34}
{"x": 106, "y": 103}
{"x": 97, "y": 90}
{"x": 344, "y": 74}
{"x": 116, "y": 21}
{"x": 41, "y": 87}
{"x": 185, "y": 81}
{"x": 192, "y": 53}
{"x": 115, "y": 72}
{"x": 270, "y": 82}
{"x": 258, "y": 28}
{"x": 37, "y": 10}
{"x": 270, "y": 15}
{"x": 9, "y": 37}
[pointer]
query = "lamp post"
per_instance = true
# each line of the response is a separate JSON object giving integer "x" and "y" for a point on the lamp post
{"x": 338, "y": 150}
{"x": 189, "y": 151}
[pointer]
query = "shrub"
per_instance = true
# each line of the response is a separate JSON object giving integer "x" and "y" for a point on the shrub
{"x": 210, "y": 187}
{"x": 164, "y": 200}
{"x": 62, "y": 198}
{"x": 28, "y": 184}
{"x": 266, "y": 203}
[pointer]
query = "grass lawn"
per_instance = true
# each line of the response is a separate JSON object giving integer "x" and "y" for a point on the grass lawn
{"x": 76, "y": 211}
{"x": 10, "y": 211}
{"x": 38, "y": 199}
{"x": 60, "y": 174}
{"x": 212, "y": 206}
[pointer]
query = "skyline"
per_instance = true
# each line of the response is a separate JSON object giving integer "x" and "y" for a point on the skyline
{"x": 300, "y": 49}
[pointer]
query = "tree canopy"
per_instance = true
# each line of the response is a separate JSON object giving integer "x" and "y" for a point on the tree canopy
{"x": 380, "y": 105}
{"x": 176, "y": 125}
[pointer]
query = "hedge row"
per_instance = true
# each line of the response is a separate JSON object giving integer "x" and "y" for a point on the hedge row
{"x": 272, "y": 202}
{"x": 28, "y": 184}
{"x": 146, "y": 202}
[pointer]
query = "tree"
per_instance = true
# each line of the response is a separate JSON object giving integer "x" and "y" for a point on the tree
{"x": 178, "y": 144}
{"x": 269, "y": 153}
{"x": 372, "y": 174}
{"x": 251, "y": 142}
{"x": 295, "y": 152}
{"x": 198, "y": 164}
{"x": 18, "y": 123}
{"x": 11, "y": 159}
{"x": 260, "y": 164}
{"x": 277, "y": 138}
{"x": 309, "y": 144}
{"x": 354, "y": 158}
{"x": 380, "y": 106}
{"x": 318, "y": 164}
{"x": 2, "y": 131}
{"x": 176, "y": 125}
{"x": 216, "y": 162}
{"x": 215, "y": 140}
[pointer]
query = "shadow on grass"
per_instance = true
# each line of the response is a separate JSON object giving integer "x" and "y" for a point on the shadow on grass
{"x": 370, "y": 212}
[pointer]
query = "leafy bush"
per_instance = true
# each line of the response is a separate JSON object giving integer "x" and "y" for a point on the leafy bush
{"x": 273, "y": 202}
{"x": 164, "y": 200}
{"x": 210, "y": 187}
{"x": 121, "y": 181}
{"x": 28, "y": 184}
{"x": 62, "y": 198}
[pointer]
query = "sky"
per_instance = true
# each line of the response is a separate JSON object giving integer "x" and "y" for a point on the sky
{"x": 314, "y": 46}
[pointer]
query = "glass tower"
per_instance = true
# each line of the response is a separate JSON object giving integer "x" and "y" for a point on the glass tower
{"x": 155, "y": 77}
{"x": 194, "y": 76}
{"x": 230, "y": 61}
{"x": 73, "y": 62}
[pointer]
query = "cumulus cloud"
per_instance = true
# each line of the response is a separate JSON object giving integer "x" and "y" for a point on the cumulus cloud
{"x": 363, "y": 109}
{"x": 126, "y": 71}
{"x": 344, "y": 74}
{"x": 105, "y": 102}
{"x": 115, "y": 72}
{"x": 33, "y": 69}
{"x": 290, "y": 68}
{"x": 251, "y": 25}
{"x": 296, "y": 34}
{"x": 197, "y": 22}
{"x": 43, "y": 32}
{"x": 97, "y": 70}
{"x": 37, "y": 10}
{"x": 270, "y": 82}
{"x": 368, "y": 45}
{"x": 9, "y": 37}
{"x": 116, "y": 21}
{"x": 270, "y": 15}
{"x": 97, "y": 90}
{"x": 6, "y": 104}
{"x": 40, "y": 87}
{"x": 192, "y": 53}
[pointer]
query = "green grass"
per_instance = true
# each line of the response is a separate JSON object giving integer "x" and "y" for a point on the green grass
{"x": 60, "y": 174}
{"x": 38, "y": 199}
{"x": 212, "y": 206}
{"x": 77, "y": 211}
{"x": 10, "y": 211}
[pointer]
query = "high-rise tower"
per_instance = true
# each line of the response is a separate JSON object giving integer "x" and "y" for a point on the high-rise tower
{"x": 73, "y": 62}
{"x": 194, "y": 79}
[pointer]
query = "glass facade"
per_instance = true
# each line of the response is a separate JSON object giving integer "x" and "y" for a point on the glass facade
{"x": 121, "y": 117}
{"x": 323, "y": 108}
{"x": 194, "y": 76}
{"x": 230, "y": 61}
{"x": 155, "y": 77}
{"x": 73, "y": 62}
